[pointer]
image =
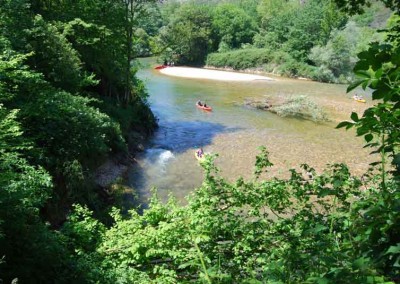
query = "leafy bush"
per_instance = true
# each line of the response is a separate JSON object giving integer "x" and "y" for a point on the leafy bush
{"x": 239, "y": 59}
{"x": 301, "y": 106}
{"x": 323, "y": 74}
{"x": 296, "y": 230}
{"x": 279, "y": 62}
{"x": 339, "y": 55}
{"x": 77, "y": 130}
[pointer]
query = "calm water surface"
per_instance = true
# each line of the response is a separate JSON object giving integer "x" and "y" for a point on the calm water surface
{"x": 235, "y": 131}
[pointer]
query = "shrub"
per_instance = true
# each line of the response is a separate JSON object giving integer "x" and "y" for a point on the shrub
{"x": 240, "y": 59}
{"x": 323, "y": 74}
{"x": 301, "y": 106}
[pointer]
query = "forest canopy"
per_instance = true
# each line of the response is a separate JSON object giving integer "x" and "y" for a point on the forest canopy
{"x": 313, "y": 39}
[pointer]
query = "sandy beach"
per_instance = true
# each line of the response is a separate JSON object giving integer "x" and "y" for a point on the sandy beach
{"x": 200, "y": 73}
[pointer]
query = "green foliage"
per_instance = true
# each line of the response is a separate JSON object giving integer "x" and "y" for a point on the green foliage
{"x": 55, "y": 58}
{"x": 17, "y": 78}
{"x": 232, "y": 26}
{"x": 318, "y": 41}
{"x": 53, "y": 134}
{"x": 296, "y": 28}
{"x": 26, "y": 244}
{"x": 357, "y": 6}
{"x": 328, "y": 227}
{"x": 188, "y": 34}
{"x": 10, "y": 132}
{"x": 50, "y": 63}
{"x": 67, "y": 128}
{"x": 239, "y": 59}
{"x": 339, "y": 55}
{"x": 301, "y": 106}
{"x": 378, "y": 69}
{"x": 296, "y": 230}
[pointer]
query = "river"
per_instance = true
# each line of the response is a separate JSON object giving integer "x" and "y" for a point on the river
{"x": 235, "y": 131}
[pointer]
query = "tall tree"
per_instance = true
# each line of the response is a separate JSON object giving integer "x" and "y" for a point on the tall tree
{"x": 232, "y": 26}
{"x": 188, "y": 34}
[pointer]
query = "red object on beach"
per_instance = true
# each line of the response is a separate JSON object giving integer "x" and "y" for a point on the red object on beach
{"x": 207, "y": 108}
{"x": 160, "y": 67}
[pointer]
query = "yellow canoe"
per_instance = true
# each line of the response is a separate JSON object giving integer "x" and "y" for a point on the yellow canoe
{"x": 359, "y": 99}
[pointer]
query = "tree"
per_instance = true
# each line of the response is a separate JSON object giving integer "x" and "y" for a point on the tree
{"x": 232, "y": 26}
{"x": 357, "y": 6}
{"x": 339, "y": 55}
{"x": 188, "y": 34}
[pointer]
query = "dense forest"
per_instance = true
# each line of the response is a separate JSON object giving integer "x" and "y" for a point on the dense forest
{"x": 70, "y": 99}
{"x": 312, "y": 39}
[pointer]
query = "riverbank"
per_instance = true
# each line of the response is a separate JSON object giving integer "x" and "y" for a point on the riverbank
{"x": 338, "y": 108}
{"x": 202, "y": 73}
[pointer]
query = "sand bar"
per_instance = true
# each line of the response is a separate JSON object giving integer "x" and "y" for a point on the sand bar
{"x": 200, "y": 73}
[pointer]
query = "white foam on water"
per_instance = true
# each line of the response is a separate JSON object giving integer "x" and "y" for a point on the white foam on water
{"x": 156, "y": 160}
{"x": 165, "y": 156}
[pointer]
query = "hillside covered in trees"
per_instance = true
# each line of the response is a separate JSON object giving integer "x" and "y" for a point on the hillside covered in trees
{"x": 312, "y": 38}
{"x": 69, "y": 98}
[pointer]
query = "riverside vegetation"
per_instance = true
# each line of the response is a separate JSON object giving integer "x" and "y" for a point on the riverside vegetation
{"x": 69, "y": 100}
{"x": 329, "y": 227}
{"x": 312, "y": 38}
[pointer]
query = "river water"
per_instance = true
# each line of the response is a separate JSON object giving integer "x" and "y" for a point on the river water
{"x": 235, "y": 131}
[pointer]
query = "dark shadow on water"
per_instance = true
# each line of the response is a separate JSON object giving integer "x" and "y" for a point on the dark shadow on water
{"x": 181, "y": 136}
{"x": 171, "y": 138}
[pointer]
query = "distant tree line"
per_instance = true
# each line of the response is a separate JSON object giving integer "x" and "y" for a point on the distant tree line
{"x": 309, "y": 38}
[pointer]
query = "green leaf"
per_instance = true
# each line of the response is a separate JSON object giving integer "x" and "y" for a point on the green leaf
{"x": 378, "y": 94}
{"x": 394, "y": 249}
{"x": 344, "y": 124}
{"x": 354, "y": 116}
{"x": 368, "y": 137}
{"x": 363, "y": 74}
{"x": 361, "y": 263}
{"x": 354, "y": 85}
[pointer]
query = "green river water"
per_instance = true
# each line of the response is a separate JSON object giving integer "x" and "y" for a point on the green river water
{"x": 235, "y": 131}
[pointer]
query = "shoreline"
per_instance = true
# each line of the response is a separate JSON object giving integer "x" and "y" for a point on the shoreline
{"x": 212, "y": 74}
{"x": 259, "y": 71}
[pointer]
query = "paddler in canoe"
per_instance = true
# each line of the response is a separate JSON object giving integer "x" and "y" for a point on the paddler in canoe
{"x": 358, "y": 98}
{"x": 204, "y": 106}
{"x": 200, "y": 155}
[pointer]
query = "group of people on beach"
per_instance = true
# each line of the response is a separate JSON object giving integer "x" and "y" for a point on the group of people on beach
{"x": 169, "y": 63}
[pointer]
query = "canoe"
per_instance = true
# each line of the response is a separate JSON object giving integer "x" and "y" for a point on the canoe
{"x": 207, "y": 108}
{"x": 358, "y": 99}
{"x": 200, "y": 159}
{"x": 160, "y": 67}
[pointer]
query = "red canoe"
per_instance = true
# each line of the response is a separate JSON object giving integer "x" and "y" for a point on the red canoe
{"x": 160, "y": 67}
{"x": 204, "y": 107}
